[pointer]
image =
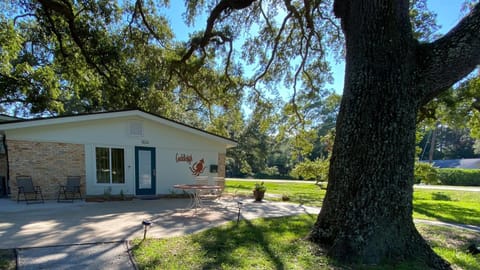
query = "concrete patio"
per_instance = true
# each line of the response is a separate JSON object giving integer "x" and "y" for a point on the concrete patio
{"x": 54, "y": 224}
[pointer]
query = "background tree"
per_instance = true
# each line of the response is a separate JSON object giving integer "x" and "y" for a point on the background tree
{"x": 63, "y": 57}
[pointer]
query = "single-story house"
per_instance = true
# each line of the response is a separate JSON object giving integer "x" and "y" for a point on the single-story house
{"x": 465, "y": 163}
{"x": 130, "y": 152}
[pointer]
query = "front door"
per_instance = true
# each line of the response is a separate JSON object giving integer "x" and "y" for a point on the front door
{"x": 145, "y": 173}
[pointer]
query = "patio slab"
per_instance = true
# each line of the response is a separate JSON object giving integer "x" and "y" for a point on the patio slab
{"x": 57, "y": 224}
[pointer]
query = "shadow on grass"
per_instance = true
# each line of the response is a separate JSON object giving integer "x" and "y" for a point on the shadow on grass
{"x": 444, "y": 211}
{"x": 251, "y": 244}
{"x": 440, "y": 196}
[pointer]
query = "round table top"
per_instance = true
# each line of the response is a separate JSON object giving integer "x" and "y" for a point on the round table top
{"x": 195, "y": 186}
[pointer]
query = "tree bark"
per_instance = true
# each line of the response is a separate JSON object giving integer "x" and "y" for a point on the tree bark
{"x": 367, "y": 211}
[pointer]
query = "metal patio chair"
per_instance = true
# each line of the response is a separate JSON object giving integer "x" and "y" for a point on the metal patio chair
{"x": 26, "y": 187}
{"x": 68, "y": 192}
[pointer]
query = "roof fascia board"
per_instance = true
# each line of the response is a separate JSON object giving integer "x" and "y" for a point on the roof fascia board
{"x": 31, "y": 123}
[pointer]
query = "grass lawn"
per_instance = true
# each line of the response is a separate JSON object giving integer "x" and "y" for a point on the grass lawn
{"x": 447, "y": 205}
{"x": 442, "y": 205}
{"x": 7, "y": 259}
{"x": 304, "y": 193}
{"x": 278, "y": 243}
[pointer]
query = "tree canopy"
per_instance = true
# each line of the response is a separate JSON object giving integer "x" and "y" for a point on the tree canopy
{"x": 63, "y": 56}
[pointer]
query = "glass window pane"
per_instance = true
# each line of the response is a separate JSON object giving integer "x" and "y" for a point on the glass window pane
{"x": 103, "y": 165}
{"x": 118, "y": 167}
{"x": 144, "y": 169}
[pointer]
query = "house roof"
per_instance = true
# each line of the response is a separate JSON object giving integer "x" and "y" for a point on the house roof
{"x": 7, "y": 118}
{"x": 467, "y": 163}
{"x": 38, "y": 122}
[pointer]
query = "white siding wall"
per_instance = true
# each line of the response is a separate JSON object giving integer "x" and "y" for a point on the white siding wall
{"x": 167, "y": 141}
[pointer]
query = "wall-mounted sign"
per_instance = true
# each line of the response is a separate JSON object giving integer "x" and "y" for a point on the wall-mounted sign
{"x": 198, "y": 167}
{"x": 183, "y": 158}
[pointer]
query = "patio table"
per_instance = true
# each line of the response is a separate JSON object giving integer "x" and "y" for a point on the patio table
{"x": 195, "y": 200}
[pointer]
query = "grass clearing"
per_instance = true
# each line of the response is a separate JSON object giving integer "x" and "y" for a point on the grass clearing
{"x": 443, "y": 205}
{"x": 447, "y": 205}
{"x": 7, "y": 259}
{"x": 278, "y": 243}
{"x": 303, "y": 193}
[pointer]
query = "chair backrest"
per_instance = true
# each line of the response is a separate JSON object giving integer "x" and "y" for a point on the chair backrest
{"x": 25, "y": 182}
{"x": 73, "y": 183}
{"x": 201, "y": 180}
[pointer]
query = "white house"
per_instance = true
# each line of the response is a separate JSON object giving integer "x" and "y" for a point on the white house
{"x": 131, "y": 152}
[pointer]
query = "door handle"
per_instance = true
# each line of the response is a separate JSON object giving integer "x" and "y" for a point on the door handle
{"x": 154, "y": 172}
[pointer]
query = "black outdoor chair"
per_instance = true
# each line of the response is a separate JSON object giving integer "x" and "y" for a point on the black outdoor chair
{"x": 68, "y": 192}
{"x": 26, "y": 187}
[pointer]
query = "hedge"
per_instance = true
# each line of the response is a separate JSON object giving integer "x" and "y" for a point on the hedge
{"x": 459, "y": 177}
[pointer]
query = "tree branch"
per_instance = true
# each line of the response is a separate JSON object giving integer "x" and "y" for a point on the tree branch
{"x": 221, "y": 7}
{"x": 274, "y": 50}
{"x": 139, "y": 7}
{"x": 442, "y": 63}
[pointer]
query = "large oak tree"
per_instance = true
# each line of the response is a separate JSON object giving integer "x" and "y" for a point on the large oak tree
{"x": 367, "y": 212}
{"x": 390, "y": 74}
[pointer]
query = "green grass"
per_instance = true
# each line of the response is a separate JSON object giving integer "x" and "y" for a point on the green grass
{"x": 278, "y": 243}
{"x": 447, "y": 205}
{"x": 303, "y": 193}
{"x": 7, "y": 259}
{"x": 443, "y": 205}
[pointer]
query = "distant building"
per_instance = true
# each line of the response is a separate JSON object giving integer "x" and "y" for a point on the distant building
{"x": 466, "y": 163}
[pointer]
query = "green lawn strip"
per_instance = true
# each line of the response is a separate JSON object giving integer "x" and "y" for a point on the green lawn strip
{"x": 278, "y": 243}
{"x": 451, "y": 244}
{"x": 449, "y": 206}
{"x": 454, "y": 206}
{"x": 7, "y": 259}
{"x": 303, "y": 193}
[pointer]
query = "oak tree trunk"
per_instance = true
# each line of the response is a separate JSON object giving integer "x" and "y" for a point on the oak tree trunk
{"x": 366, "y": 215}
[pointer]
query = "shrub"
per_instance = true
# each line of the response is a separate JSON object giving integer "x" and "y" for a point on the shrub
{"x": 425, "y": 173}
{"x": 459, "y": 177}
{"x": 312, "y": 170}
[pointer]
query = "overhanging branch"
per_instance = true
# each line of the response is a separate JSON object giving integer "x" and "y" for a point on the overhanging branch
{"x": 444, "y": 62}
{"x": 222, "y": 7}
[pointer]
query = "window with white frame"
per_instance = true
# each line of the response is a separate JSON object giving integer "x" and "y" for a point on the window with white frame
{"x": 110, "y": 165}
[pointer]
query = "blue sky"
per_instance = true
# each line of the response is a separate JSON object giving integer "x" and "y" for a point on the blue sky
{"x": 448, "y": 15}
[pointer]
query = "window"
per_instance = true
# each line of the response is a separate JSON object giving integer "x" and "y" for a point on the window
{"x": 110, "y": 165}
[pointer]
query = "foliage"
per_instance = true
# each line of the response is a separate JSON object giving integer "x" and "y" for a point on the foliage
{"x": 425, "y": 173}
{"x": 448, "y": 143}
{"x": 60, "y": 58}
{"x": 312, "y": 170}
{"x": 7, "y": 259}
{"x": 260, "y": 187}
{"x": 459, "y": 177}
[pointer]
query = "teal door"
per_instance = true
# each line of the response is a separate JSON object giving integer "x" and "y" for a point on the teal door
{"x": 145, "y": 172}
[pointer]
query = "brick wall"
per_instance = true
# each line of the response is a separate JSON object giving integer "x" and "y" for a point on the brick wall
{"x": 221, "y": 164}
{"x": 3, "y": 173}
{"x": 47, "y": 163}
{"x": 3, "y": 165}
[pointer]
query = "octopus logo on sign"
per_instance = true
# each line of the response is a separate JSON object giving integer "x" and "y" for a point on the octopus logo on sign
{"x": 198, "y": 167}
